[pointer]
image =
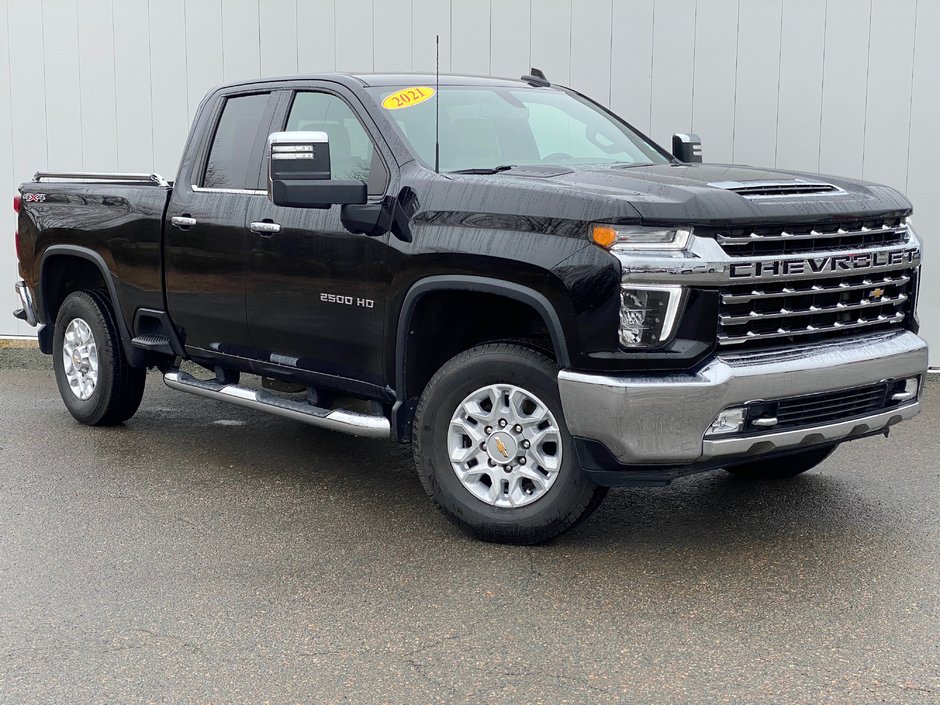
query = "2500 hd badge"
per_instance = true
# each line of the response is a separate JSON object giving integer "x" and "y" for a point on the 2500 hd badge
{"x": 830, "y": 263}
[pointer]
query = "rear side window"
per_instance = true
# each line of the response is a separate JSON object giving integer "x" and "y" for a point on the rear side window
{"x": 230, "y": 164}
{"x": 352, "y": 155}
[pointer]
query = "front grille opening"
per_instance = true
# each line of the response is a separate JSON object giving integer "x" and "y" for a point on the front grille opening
{"x": 828, "y": 237}
{"x": 793, "y": 312}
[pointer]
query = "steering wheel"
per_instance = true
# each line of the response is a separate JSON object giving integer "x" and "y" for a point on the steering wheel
{"x": 557, "y": 156}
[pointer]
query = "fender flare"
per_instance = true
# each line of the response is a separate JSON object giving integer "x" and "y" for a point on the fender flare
{"x": 487, "y": 285}
{"x": 134, "y": 356}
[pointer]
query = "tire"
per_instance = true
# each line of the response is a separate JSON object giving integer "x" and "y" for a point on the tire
{"x": 114, "y": 395}
{"x": 782, "y": 467}
{"x": 512, "y": 508}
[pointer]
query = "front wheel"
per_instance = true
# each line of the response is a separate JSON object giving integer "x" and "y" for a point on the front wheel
{"x": 492, "y": 449}
{"x": 782, "y": 467}
{"x": 95, "y": 380}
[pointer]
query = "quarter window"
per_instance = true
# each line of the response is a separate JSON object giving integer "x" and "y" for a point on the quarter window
{"x": 229, "y": 163}
{"x": 352, "y": 155}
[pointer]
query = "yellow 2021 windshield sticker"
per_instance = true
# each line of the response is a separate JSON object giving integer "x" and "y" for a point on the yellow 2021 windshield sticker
{"x": 407, "y": 97}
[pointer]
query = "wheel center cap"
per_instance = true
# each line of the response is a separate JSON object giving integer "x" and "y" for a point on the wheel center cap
{"x": 501, "y": 447}
{"x": 77, "y": 358}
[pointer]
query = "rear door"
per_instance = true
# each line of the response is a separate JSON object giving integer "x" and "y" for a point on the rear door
{"x": 316, "y": 292}
{"x": 205, "y": 237}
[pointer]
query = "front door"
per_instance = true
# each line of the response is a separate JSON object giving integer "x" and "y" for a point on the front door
{"x": 205, "y": 238}
{"x": 315, "y": 291}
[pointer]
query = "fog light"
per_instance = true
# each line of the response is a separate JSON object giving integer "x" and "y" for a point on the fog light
{"x": 728, "y": 421}
{"x": 648, "y": 314}
{"x": 906, "y": 389}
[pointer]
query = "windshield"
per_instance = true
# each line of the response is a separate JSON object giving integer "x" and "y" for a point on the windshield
{"x": 487, "y": 127}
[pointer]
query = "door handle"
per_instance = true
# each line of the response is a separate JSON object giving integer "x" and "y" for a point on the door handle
{"x": 183, "y": 222}
{"x": 264, "y": 228}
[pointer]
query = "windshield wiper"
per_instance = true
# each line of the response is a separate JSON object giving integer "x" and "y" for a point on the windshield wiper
{"x": 492, "y": 170}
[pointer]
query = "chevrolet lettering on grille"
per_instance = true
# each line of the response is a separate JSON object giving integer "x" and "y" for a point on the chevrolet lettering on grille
{"x": 764, "y": 269}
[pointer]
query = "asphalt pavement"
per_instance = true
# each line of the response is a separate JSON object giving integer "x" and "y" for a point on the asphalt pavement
{"x": 207, "y": 554}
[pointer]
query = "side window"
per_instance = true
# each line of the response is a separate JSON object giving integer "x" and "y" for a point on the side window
{"x": 229, "y": 164}
{"x": 352, "y": 156}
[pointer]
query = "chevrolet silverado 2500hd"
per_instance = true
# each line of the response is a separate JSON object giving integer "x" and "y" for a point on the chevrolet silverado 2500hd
{"x": 504, "y": 274}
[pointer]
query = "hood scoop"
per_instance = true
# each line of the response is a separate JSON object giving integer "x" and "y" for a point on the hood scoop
{"x": 788, "y": 188}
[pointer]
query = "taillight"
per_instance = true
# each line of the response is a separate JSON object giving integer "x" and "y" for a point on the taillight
{"x": 17, "y": 201}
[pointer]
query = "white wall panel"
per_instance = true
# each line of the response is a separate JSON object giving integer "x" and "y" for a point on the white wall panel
{"x": 510, "y": 52}
{"x": 96, "y": 71}
{"x": 8, "y": 267}
{"x": 713, "y": 87}
{"x": 924, "y": 157}
{"x": 430, "y": 19}
{"x": 133, "y": 102}
{"x": 167, "y": 66}
{"x": 845, "y": 87}
{"x": 203, "y": 49}
{"x": 889, "y": 92}
{"x": 758, "y": 77}
{"x": 241, "y": 38}
{"x": 799, "y": 104}
{"x": 278, "y": 23}
{"x": 63, "y": 84}
{"x": 470, "y": 37}
{"x": 591, "y": 27}
{"x": 355, "y": 39}
{"x": 841, "y": 86}
{"x": 673, "y": 61}
{"x": 550, "y": 36}
{"x": 631, "y": 62}
{"x": 392, "y": 35}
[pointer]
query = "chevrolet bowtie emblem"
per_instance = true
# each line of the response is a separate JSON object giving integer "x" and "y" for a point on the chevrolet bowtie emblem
{"x": 876, "y": 293}
{"x": 501, "y": 447}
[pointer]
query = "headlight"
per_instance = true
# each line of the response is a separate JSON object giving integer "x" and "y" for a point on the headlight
{"x": 648, "y": 314}
{"x": 638, "y": 237}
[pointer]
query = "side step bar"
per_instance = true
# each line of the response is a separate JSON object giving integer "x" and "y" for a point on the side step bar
{"x": 334, "y": 419}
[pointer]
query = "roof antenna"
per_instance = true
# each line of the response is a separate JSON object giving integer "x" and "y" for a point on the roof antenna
{"x": 536, "y": 77}
{"x": 437, "y": 104}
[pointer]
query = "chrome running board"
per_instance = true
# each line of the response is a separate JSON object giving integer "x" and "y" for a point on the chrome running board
{"x": 334, "y": 419}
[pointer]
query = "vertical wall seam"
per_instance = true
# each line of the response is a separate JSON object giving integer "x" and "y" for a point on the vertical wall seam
{"x": 6, "y": 9}
{"x": 81, "y": 117}
{"x": 153, "y": 137}
{"x": 694, "y": 49}
{"x": 610, "y": 58}
{"x": 570, "y": 39}
{"x": 649, "y": 128}
{"x": 186, "y": 55}
{"x": 45, "y": 83}
{"x": 822, "y": 90}
{"x": 734, "y": 102}
{"x": 910, "y": 115}
{"x": 867, "y": 89}
{"x": 117, "y": 142}
{"x": 777, "y": 99}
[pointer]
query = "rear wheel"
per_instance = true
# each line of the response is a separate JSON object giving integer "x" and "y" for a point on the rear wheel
{"x": 782, "y": 467}
{"x": 95, "y": 381}
{"x": 493, "y": 451}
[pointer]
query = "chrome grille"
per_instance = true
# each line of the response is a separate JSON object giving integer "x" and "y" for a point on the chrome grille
{"x": 779, "y": 312}
{"x": 777, "y": 240}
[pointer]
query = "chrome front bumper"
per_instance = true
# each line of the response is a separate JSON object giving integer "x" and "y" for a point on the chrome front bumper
{"x": 26, "y": 312}
{"x": 662, "y": 420}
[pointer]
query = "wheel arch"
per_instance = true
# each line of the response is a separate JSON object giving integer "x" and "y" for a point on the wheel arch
{"x": 522, "y": 295}
{"x": 49, "y": 303}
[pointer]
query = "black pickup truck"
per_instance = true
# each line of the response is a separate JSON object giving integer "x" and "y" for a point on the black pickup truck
{"x": 504, "y": 274}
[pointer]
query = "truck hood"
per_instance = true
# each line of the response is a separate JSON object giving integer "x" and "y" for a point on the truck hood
{"x": 696, "y": 194}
